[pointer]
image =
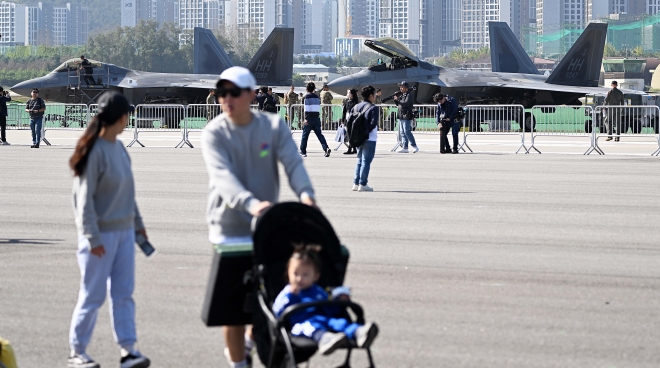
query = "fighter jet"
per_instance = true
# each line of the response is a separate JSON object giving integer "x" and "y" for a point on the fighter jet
{"x": 271, "y": 65}
{"x": 514, "y": 78}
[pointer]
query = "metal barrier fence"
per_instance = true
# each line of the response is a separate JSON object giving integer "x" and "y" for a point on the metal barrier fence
{"x": 627, "y": 122}
{"x": 160, "y": 118}
{"x": 64, "y": 116}
{"x": 496, "y": 120}
{"x": 197, "y": 117}
{"x": 565, "y": 121}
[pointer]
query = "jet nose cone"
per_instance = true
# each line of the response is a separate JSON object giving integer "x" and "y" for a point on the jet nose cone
{"x": 24, "y": 88}
{"x": 340, "y": 85}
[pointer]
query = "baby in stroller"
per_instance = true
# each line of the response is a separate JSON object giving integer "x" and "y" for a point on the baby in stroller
{"x": 322, "y": 324}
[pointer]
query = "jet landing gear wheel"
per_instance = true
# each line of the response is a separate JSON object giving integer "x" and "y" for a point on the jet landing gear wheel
{"x": 530, "y": 122}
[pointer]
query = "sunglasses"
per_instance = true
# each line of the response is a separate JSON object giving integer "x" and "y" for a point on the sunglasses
{"x": 233, "y": 92}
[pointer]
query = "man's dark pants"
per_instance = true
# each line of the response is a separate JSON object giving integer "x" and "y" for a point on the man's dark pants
{"x": 315, "y": 125}
{"x": 3, "y": 128}
{"x": 455, "y": 128}
{"x": 444, "y": 141}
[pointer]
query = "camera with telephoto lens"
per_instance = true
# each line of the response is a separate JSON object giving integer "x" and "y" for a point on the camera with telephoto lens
{"x": 391, "y": 97}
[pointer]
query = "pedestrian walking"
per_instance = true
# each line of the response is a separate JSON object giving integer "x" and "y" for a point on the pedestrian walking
{"x": 312, "y": 121}
{"x": 366, "y": 152}
{"x": 241, "y": 150}
{"x": 405, "y": 102}
{"x": 35, "y": 106}
{"x": 107, "y": 219}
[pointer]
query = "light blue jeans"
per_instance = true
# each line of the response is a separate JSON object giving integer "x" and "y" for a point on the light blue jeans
{"x": 114, "y": 270}
{"x": 365, "y": 155}
{"x": 405, "y": 127}
{"x": 35, "y": 127}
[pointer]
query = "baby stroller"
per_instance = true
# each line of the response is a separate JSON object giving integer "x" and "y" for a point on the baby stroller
{"x": 275, "y": 232}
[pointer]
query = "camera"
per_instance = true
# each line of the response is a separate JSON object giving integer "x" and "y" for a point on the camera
{"x": 391, "y": 97}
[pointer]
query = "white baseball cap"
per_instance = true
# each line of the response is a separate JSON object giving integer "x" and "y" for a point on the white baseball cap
{"x": 240, "y": 76}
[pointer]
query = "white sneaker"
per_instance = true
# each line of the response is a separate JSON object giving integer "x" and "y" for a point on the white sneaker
{"x": 403, "y": 150}
{"x": 82, "y": 361}
{"x": 355, "y": 187}
{"x": 5, "y": 143}
{"x": 248, "y": 357}
{"x": 415, "y": 149}
{"x": 365, "y": 188}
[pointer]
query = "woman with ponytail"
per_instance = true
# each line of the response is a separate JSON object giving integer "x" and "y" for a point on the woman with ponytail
{"x": 107, "y": 218}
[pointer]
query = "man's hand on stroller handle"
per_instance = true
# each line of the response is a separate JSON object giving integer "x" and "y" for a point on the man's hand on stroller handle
{"x": 259, "y": 208}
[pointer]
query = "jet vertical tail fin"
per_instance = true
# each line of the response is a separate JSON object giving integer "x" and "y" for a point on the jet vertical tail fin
{"x": 208, "y": 55}
{"x": 581, "y": 65}
{"x": 506, "y": 53}
{"x": 273, "y": 63}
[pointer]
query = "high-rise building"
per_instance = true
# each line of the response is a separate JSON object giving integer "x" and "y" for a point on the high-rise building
{"x": 357, "y": 18}
{"x": 316, "y": 26}
{"x": 557, "y": 17}
{"x": 133, "y": 11}
{"x": 450, "y": 25}
{"x": 400, "y": 19}
{"x": 476, "y": 15}
{"x": 256, "y": 16}
{"x": 430, "y": 27}
{"x": 652, "y": 7}
{"x": 201, "y": 13}
{"x": 43, "y": 24}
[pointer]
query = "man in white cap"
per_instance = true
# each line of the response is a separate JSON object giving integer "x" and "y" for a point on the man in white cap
{"x": 241, "y": 149}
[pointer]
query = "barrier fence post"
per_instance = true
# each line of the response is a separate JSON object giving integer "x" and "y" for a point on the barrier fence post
{"x": 626, "y": 122}
{"x": 565, "y": 121}
{"x": 499, "y": 120}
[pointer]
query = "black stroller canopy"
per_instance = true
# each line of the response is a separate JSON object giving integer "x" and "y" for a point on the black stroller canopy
{"x": 290, "y": 223}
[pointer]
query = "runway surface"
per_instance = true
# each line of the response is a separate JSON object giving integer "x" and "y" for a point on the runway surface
{"x": 469, "y": 260}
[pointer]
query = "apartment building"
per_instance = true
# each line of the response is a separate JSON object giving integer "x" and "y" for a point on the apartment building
{"x": 201, "y": 13}
{"x": 133, "y": 11}
{"x": 43, "y": 24}
{"x": 476, "y": 15}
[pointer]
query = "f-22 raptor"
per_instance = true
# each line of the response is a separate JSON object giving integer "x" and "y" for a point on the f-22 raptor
{"x": 514, "y": 78}
{"x": 271, "y": 65}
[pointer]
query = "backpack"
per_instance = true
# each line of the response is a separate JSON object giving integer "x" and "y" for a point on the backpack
{"x": 356, "y": 127}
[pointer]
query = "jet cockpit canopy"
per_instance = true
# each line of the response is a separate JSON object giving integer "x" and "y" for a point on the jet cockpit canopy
{"x": 402, "y": 56}
{"x": 74, "y": 64}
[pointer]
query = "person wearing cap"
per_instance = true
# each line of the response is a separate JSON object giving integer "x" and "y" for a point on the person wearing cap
{"x": 291, "y": 98}
{"x": 107, "y": 218}
{"x": 614, "y": 98}
{"x": 312, "y": 120}
{"x": 35, "y": 106}
{"x": 445, "y": 115}
{"x": 405, "y": 102}
{"x": 241, "y": 149}
{"x": 4, "y": 98}
{"x": 326, "y": 99}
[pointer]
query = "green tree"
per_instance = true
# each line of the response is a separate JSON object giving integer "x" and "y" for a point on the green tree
{"x": 298, "y": 80}
{"x": 609, "y": 50}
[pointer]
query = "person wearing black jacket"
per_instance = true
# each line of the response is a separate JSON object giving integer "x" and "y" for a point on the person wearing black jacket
{"x": 4, "y": 98}
{"x": 367, "y": 150}
{"x": 347, "y": 105}
{"x": 446, "y": 118}
{"x": 405, "y": 102}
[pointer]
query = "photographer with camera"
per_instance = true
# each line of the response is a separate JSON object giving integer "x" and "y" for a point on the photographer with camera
{"x": 404, "y": 100}
{"x": 446, "y": 115}
{"x": 3, "y": 116}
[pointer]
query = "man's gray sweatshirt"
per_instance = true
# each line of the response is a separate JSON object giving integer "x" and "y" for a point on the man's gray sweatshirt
{"x": 104, "y": 195}
{"x": 242, "y": 166}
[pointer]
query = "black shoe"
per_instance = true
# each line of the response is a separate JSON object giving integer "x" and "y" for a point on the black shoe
{"x": 455, "y": 151}
{"x": 354, "y": 151}
{"x": 616, "y": 139}
{"x": 36, "y": 146}
{"x": 349, "y": 152}
{"x": 32, "y": 146}
{"x": 327, "y": 152}
{"x": 134, "y": 360}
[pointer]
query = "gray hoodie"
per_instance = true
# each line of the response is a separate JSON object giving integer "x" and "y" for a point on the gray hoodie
{"x": 104, "y": 195}
{"x": 242, "y": 166}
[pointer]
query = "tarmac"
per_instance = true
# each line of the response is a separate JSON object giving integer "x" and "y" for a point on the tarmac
{"x": 472, "y": 260}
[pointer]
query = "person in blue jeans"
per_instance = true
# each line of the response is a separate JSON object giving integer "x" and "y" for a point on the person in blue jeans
{"x": 312, "y": 121}
{"x": 405, "y": 101}
{"x": 35, "y": 107}
{"x": 367, "y": 150}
